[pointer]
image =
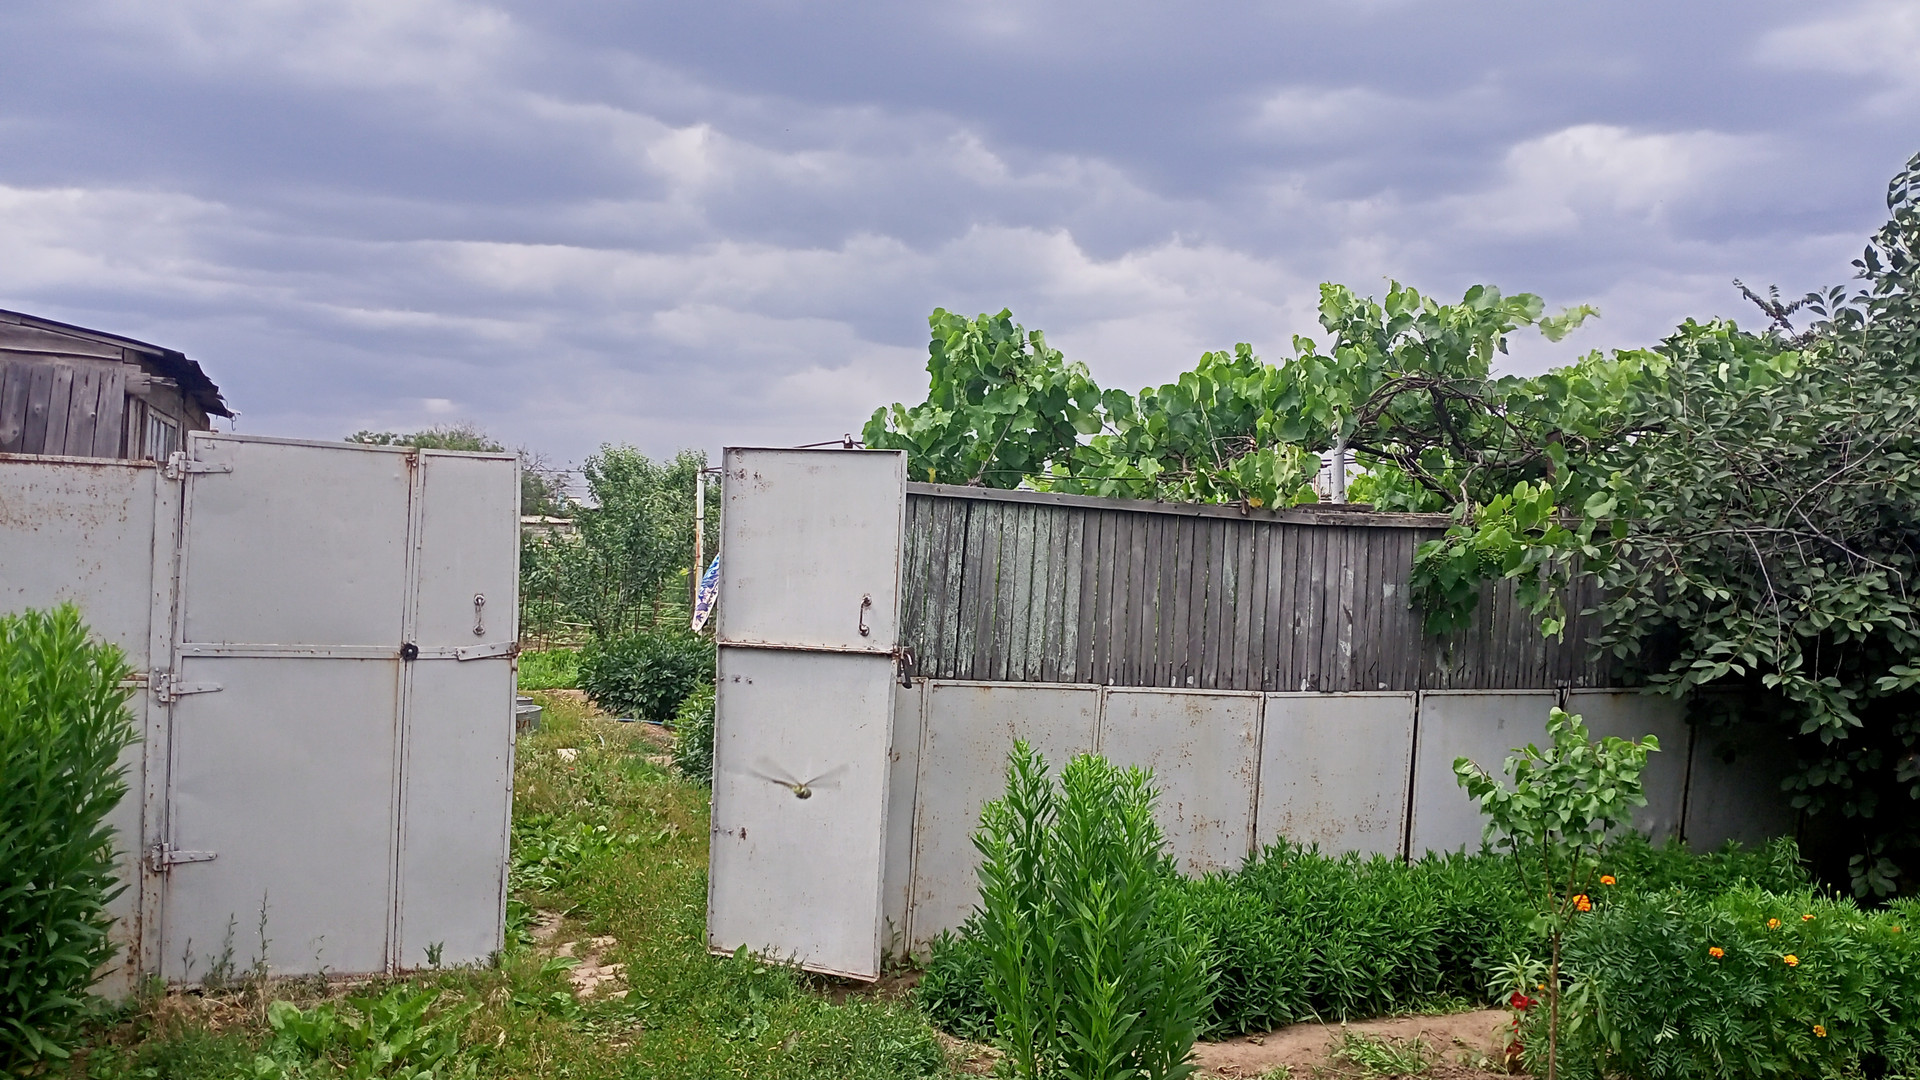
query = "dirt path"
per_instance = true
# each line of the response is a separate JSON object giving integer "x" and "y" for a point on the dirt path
{"x": 1460, "y": 1040}
{"x": 1462, "y": 1045}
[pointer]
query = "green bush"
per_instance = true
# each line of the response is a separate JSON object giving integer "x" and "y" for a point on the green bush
{"x": 693, "y": 736}
{"x": 63, "y": 726}
{"x": 645, "y": 675}
{"x": 550, "y": 669}
{"x": 1788, "y": 995}
{"x": 1298, "y": 934}
{"x": 1089, "y": 977}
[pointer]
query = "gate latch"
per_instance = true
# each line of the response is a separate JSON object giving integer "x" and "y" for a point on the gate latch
{"x": 168, "y": 687}
{"x": 163, "y": 856}
{"x": 180, "y": 465}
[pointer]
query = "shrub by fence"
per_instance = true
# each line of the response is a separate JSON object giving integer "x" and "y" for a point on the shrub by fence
{"x": 646, "y": 674}
{"x": 1300, "y": 935}
{"x": 63, "y": 725}
{"x": 1746, "y": 983}
{"x": 693, "y": 736}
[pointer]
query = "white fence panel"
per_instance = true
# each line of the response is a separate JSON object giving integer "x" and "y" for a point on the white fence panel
{"x": 1204, "y": 750}
{"x": 1335, "y": 770}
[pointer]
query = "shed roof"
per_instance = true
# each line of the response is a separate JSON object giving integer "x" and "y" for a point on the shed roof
{"x": 171, "y": 362}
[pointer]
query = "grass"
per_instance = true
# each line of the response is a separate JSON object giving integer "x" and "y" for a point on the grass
{"x": 616, "y": 846}
{"x": 549, "y": 669}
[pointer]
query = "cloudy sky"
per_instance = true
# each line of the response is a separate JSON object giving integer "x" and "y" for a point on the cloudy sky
{"x": 717, "y": 223}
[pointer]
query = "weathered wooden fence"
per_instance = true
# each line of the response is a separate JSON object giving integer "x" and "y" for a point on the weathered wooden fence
{"x": 1021, "y": 586}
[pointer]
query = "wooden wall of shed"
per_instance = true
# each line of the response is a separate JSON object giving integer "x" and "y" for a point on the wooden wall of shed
{"x": 1099, "y": 591}
{"x": 75, "y": 408}
{"x": 70, "y": 394}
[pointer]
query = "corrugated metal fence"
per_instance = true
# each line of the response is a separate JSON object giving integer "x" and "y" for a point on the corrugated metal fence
{"x": 1021, "y": 586}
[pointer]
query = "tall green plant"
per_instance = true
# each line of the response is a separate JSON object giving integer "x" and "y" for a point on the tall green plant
{"x": 1556, "y": 820}
{"x": 63, "y": 726}
{"x": 1090, "y": 980}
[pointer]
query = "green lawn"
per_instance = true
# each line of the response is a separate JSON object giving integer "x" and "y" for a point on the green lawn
{"x": 617, "y": 846}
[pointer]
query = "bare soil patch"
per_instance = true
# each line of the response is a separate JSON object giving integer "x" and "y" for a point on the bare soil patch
{"x": 1461, "y": 1041}
{"x": 1463, "y": 1044}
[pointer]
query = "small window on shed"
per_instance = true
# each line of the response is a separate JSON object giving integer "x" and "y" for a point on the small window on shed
{"x": 163, "y": 437}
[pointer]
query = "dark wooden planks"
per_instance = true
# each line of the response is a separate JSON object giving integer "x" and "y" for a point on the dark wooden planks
{"x": 15, "y": 377}
{"x": 1005, "y": 589}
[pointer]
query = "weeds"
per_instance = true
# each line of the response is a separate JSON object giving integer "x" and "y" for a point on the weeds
{"x": 1383, "y": 1056}
{"x": 549, "y": 669}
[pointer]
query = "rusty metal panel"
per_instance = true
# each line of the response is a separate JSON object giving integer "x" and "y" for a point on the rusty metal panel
{"x": 1203, "y": 748}
{"x": 1628, "y": 714}
{"x": 969, "y": 730}
{"x": 342, "y": 736}
{"x": 457, "y": 795}
{"x": 1485, "y": 725}
{"x": 86, "y": 532}
{"x": 798, "y": 846}
{"x": 281, "y": 803}
{"x": 457, "y": 735}
{"x": 1334, "y": 771}
{"x": 297, "y": 544}
{"x": 903, "y": 763}
{"x": 813, "y": 541}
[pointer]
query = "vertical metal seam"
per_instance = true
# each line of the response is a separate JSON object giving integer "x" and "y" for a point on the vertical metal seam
{"x": 1259, "y": 776}
{"x": 402, "y": 721}
{"x": 1413, "y": 774}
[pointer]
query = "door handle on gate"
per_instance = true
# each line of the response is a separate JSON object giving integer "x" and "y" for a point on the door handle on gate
{"x": 866, "y": 602}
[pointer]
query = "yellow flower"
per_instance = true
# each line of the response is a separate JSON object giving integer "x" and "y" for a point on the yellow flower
{"x": 1606, "y": 879}
{"x": 1806, "y": 918}
{"x": 1773, "y": 924}
{"x": 1716, "y": 952}
{"x": 1896, "y": 929}
{"x": 1792, "y": 960}
{"x": 1819, "y": 1031}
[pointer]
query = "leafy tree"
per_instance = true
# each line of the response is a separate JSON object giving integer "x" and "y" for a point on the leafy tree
{"x": 1001, "y": 405}
{"x": 1749, "y": 502}
{"x": 1555, "y": 821}
{"x": 625, "y": 566}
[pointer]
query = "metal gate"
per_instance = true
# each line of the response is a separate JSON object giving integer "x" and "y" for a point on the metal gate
{"x": 808, "y": 632}
{"x": 338, "y": 770}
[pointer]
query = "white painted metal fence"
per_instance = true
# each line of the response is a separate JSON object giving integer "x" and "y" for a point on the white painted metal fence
{"x": 324, "y": 640}
{"x": 810, "y": 690}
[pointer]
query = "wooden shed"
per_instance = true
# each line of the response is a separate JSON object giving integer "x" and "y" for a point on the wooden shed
{"x": 69, "y": 391}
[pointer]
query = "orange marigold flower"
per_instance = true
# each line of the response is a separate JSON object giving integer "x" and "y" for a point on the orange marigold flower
{"x": 1606, "y": 879}
{"x": 1896, "y": 929}
{"x": 1792, "y": 960}
{"x": 1773, "y": 924}
{"x": 1806, "y": 918}
{"x": 1716, "y": 952}
{"x": 1819, "y": 1031}
{"x": 1581, "y": 903}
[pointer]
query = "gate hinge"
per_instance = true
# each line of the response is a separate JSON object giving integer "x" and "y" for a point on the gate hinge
{"x": 163, "y": 856}
{"x": 179, "y": 465}
{"x": 167, "y": 687}
{"x": 482, "y": 652}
